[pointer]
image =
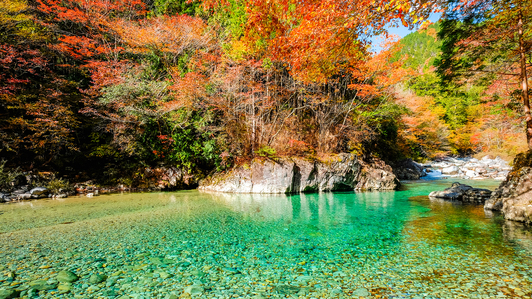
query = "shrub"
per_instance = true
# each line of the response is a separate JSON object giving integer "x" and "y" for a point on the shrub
{"x": 57, "y": 186}
{"x": 7, "y": 176}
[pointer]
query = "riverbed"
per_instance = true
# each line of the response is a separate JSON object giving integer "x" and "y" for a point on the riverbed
{"x": 396, "y": 244}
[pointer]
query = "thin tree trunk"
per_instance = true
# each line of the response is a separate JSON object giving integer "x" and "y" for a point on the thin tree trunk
{"x": 524, "y": 82}
{"x": 253, "y": 125}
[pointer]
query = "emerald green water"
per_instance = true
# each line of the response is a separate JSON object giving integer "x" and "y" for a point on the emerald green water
{"x": 330, "y": 245}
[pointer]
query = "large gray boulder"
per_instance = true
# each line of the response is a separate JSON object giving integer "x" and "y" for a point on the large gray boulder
{"x": 463, "y": 193}
{"x": 341, "y": 172}
{"x": 39, "y": 192}
{"x": 513, "y": 197}
{"x": 408, "y": 170}
{"x": 377, "y": 175}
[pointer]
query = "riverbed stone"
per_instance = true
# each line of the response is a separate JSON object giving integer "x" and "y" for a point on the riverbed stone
{"x": 97, "y": 278}
{"x": 39, "y": 192}
{"x": 286, "y": 289}
{"x": 66, "y": 276}
{"x": 8, "y": 293}
{"x": 450, "y": 170}
{"x": 41, "y": 285}
{"x": 361, "y": 292}
{"x": 194, "y": 290}
{"x": 64, "y": 287}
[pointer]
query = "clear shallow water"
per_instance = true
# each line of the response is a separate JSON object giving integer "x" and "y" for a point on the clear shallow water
{"x": 330, "y": 245}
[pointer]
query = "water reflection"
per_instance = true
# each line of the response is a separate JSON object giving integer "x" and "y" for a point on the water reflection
{"x": 268, "y": 207}
{"x": 518, "y": 234}
{"x": 318, "y": 208}
{"x": 468, "y": 227}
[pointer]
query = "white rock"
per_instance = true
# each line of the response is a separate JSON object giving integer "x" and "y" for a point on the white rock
{"x": 470, "y": 173}
{"x": 450, "y": 170}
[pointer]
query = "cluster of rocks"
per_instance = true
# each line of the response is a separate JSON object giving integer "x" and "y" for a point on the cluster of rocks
{"x": 471, "y": 168}
{"x": 513, "y": 197}
{"x": 24, "y": 193}
{"x": 462, "y": 193}
{"x": 38, "y": 191}
{"x": 342, "y": 172}
{"x": 35, "y": 186}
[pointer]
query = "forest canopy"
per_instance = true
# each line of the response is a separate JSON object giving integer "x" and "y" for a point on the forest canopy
{"x": 206, "y": 84}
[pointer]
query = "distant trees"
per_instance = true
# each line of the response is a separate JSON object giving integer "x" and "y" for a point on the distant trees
{"x": 490, "y": 40}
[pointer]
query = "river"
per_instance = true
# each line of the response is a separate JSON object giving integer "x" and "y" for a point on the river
{"x": 331, "y": 245}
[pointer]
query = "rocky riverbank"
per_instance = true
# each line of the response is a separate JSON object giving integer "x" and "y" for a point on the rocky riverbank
{"x": 26, "y": 186}
{"x": 342, "y": 172}
{"x": 452, "y": 167}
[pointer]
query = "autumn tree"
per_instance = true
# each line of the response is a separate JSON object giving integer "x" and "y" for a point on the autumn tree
{"x": 490, "y": 40}
{"x": 39, "y": 97}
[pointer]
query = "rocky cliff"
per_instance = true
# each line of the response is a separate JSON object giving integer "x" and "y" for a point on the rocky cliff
{"x": 341, "y": 172}
{"x": 514, "y": 196}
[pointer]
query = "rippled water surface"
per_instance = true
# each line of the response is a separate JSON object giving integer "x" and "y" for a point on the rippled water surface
{"x": 330, "y": 245}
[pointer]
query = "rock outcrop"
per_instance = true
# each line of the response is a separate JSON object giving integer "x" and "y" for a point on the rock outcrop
{"x": 342, "y": 172}
{"x": 169, "y": 178}
{"x": 514, "y": 196}
{"x": 408, "y": 170}
{"x": 463, "y": 193}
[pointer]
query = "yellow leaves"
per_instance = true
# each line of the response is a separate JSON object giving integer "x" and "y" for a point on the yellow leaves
{"x": 237, "y": 50}
{"x": 418, "y": 19}
{"x": 12, "y": 17}
{"x": 12, "y": 7}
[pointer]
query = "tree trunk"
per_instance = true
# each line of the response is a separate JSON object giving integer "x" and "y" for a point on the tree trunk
{"x": 524, "y": 82}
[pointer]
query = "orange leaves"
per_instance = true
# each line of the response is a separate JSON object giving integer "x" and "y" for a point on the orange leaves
{"x": 95, "y": 22}
{"x": 377, "y": 75}
{"x": 93, "y": 12}
{"x": 107, "y": 73}
{"x": 79, "y": 47}
{"x": 166, "y": 34}
{"x": 186, "y": 92}
{"x": 320, "y": 39}
{"x": 422, "y": 126}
